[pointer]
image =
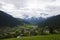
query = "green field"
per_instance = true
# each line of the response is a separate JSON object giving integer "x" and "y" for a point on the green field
{"x": 42, "y": 37}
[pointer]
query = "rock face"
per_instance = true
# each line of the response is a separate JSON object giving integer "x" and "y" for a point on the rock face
{"x": 8, "y": 20}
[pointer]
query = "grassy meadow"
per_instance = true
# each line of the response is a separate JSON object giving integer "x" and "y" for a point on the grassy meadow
{"x": 41, "y": 37}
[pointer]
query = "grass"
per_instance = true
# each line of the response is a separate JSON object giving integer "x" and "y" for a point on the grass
{"x": 46, "y": 37}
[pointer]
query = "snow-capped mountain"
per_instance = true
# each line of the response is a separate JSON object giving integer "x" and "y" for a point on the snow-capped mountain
{"x": 34, "y": 20}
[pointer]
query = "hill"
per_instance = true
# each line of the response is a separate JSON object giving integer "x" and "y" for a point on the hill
{"x": 8, "y": 20}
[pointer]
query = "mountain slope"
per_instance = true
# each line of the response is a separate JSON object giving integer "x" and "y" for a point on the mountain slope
{"x": 53, "y": 21}
{"x": 8, "y": 20}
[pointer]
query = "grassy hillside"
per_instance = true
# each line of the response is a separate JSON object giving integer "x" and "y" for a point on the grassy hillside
{"x": 46, "y": 37}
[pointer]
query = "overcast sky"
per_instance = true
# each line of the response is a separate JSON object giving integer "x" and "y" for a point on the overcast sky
{"x": 30, "y": 8}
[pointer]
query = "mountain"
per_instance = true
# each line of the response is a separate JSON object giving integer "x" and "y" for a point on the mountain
{"x": 8, "y": 20}
{"x": 23, "y": 21}
{"x": 52, "y": 22}
{"x": 34, "y": 20}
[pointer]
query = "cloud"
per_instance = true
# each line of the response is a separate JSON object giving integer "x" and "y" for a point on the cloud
{"x": 8, "y": 7}
{"x": 22, "y": 8}
{"x": 53, "y": 10}
{"x": 17, "y": 3}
